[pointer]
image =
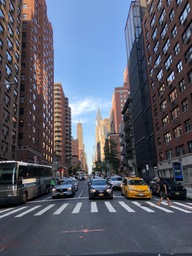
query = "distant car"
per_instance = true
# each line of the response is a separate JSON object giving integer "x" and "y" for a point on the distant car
{"x": 116, "y": 182}
{"x": 100, "y": 188}
{"x": 81, "y": 177}
{"x": 135, "y": 187}
{"x": 175, "y": 190}
{"x": 64, "y": 189}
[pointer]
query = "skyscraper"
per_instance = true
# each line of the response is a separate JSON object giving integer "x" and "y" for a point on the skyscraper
{"x": 10, "y": 59}
{"x": 82, "y": 155}
{"x": 36, "y": 95}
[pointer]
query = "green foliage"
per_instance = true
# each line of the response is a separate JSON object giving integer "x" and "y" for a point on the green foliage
{"x": 111, "y": 155}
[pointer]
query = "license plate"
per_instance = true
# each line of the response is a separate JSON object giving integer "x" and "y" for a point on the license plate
{"x": 61, "y": 194}
{"x": 177, "y": 193}
{"x": 140, "y": 194}
{"x": 100, "y": 194}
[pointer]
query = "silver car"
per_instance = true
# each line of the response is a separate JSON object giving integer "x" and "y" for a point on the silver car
{"x": 116, "y": 182}
{"x": 65, "y": 188}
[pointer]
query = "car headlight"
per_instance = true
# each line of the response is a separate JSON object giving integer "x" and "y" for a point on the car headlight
{"x": 130, "y": 188}
{"x": 109, "y": 190}
{"x": 53, "y": 189}
{"x": 92, "y": 190}
{"x": 69, "y": 188}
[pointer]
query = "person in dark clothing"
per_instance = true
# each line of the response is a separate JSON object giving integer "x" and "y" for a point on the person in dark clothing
{"x": 162, "y": 190}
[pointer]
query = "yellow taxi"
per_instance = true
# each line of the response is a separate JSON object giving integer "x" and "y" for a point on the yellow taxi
{"x": 135, "y": 187}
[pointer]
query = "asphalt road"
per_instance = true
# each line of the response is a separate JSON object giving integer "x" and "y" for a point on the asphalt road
{"x": 79, "y": 226}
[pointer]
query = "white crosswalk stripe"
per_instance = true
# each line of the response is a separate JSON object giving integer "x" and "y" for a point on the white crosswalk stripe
{"x": 143, "y": 207}
{"x": 26, "y": 212}
{"x": 44, "y": 210}
{"x": 110, "y": 207}
{"x": 60, "y": 209}
{"x": 95, "y": 207}
{"x": 77, "y": 208}
{"x": 159, "y": 207}
{"x": 126, "y": 207}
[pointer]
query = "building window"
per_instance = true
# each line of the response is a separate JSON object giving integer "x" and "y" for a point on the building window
{"x": 168, "y": 62}
{"x": 160, "y": 75}
{"x": 171, "y": 78}
{"x": 171, "y": 15}
{"x": 161, "y": 89}
{"x": 165, "y": 121}
{"x": 162, "y": 17}
{"x": 177, "y": 49}
{"x": 155, "y": 49}
{"x": 167, "y": 137}
{"x": 188, "y": 125}
{"x": 184, "y": 14}
{"x": 174, "y": 32}
{"x": 169, "y": 154}
{"x": 182, "y": 85}
{"x": 163, "y": 105}
{"x": 177, "y": 131}
{"x": 184, "y": 104}
{"x": 180, "y": 150}
{"x": 179, "y": 66}
{"x": 190, "y": 76}
{"x": 161, "y": 156}
{"x": 175, "y": 113}
{"x": 190, "y": 146}
{"x": 164, "y": 31}
{"x": 166, "y": 46}
{"x": 187, "y": 34}
{"x": 173, "y": 95}
{"x": 154, "y": 34}
{"x": 188, "y": 55}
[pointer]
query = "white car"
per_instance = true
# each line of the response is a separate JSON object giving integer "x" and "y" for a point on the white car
{"x": 116, "y": 182}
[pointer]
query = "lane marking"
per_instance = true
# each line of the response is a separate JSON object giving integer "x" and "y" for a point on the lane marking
{"x": 143, "y": 207}
{"x": 9, "y": 213}
{"x": 126, "y": 207}
{"x": 44, "y": 210}
{"x": 177, "y": 208}
{"x": 60, "y": 209}
{"x": 110, "y": 207}
{"x": 159, "y": 207}
{"x": 77, "y": 208}
{"x": 30, "y": 210}
{"x": 94, "y": 207}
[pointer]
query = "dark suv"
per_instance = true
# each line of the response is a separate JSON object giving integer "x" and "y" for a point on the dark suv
{"x": 176, "y": 190}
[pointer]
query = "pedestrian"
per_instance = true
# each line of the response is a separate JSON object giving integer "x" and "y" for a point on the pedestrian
{"x": 52, "y": 183}
{"x": 162, "y": 191}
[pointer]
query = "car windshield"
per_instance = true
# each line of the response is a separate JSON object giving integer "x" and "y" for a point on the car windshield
{"x": 99, "y": 182}
{"x": 136, "y": 182}
{"x": 116, "y": 179}
{"x": 68, "y": 181}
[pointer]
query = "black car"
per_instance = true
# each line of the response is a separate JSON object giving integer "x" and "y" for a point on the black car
{"x": 100, "y": 188}
{"x": 176, "y": 190}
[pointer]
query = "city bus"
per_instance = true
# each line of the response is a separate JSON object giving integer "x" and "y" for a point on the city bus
{"x": 21, "y": 181}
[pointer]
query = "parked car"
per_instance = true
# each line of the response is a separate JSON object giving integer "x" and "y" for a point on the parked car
{"x": 135, "y": 187}
{"x": 175, "y": 189}
{"x": 100, "y": 188}
{"x": 116, "y": 181}
{"x": 64, "y": 189}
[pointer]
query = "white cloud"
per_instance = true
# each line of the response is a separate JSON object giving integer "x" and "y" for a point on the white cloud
{"x": 83, "y": 107}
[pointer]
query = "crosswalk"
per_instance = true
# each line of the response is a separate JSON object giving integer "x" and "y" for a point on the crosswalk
{"x": 95, "y": 207}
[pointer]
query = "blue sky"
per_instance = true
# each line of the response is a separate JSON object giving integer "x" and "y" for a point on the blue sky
{"x": 89, "y": 57}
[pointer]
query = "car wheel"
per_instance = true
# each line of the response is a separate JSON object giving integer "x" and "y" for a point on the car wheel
{"x": 24, "y": 198}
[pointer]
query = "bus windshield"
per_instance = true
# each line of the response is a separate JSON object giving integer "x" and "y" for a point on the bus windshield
{"x": 7, "y": 173}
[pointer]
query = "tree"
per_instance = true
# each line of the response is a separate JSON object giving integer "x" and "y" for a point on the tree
{"x": 111, "y": 155}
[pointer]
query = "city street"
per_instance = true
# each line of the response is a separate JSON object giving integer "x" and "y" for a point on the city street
{"x": 79, "y": 226}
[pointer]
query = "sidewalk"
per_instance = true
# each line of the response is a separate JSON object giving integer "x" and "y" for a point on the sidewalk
{"x": 189, "y": 193}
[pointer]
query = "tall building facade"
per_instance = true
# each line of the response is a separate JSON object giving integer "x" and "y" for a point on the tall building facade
{"x": 143, "y": 139}
{"x": 59, "y": 160}
{"x": 10, "y": 59}
{"x": 167, "y": 27}
{"x": 36, "y": 119}
{"x": 82, "y": 155}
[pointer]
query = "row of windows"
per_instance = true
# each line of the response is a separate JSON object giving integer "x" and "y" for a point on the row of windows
{"x": 179, "y": 151}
